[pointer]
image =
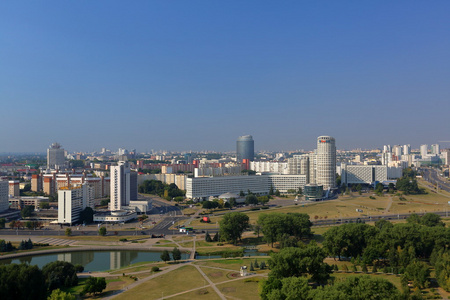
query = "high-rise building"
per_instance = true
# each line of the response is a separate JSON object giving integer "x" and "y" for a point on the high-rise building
{"x": 424, "y": 150}
{"x": 245, "y": 148}
{"x": 435, "y": 149}
{"x": 407, "y": 149}
{"x": 326, "y": 162}
{"x": 4, "y": 190}
{"x": 123, "y": 186}
{"x": 55, "y": 156}
{"x": 71, "y": 201}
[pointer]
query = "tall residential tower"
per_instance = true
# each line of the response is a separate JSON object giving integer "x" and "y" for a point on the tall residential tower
{"x": 326, "y": 162}
{"x": 123, "y": 186}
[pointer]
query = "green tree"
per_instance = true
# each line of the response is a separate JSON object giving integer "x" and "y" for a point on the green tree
{"x": 59, "y": 274}
{"x": 299, "y": 262}
{"x": 60, "y": 295}
{"x": 358, "y": 287}
{"x": 277, "y": 193}
{"x": 68, "y": 231}
{"x": 208, "y": 238}
{"x": 176, "y": 254}
{"x": 102, "y": 231}
{"x": 94, "y": 285}
{"x": 165, "y": 256}
{"x": 379, "y": 188}
{"x": 27, "y": 211}
{"x": 431, "y": 220}
{"x": 2, "y": 223}
{"x": 87, "y": 215}
{"x": 251, "y": 199}
{"x": 418, "y": 272}
{"x": 22, "y": 282}
{"x": 44, "y": 205}
{"x": 442, "y": 266}
{"x": 232, "y": 226}
{"x": 359, "y": 189}
{"x": 29, "y": 225}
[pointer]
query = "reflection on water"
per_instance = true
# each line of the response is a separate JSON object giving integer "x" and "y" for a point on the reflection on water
{"x": 93, "y": 260}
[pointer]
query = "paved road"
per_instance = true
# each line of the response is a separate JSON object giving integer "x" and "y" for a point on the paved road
{"x": 431, "y": 175}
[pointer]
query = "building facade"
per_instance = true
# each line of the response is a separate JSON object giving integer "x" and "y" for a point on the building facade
{"x": 4, "y": 190}
{"x": 245, "y": 148}
{"x": 123, "y": 185}
{"x": 71, "y": 201}
{"x": 201, "y": 188}
{"x": 55, "y": 156}
{"x": 326, "y": 162}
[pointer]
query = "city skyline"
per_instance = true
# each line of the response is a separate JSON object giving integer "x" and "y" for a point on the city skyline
{"x": 195, "y": 76}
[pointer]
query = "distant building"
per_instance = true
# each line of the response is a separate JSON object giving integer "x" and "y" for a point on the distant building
{"x": 14, "y": 188}
{"x": 245, "y": 148}
{"x": 326, "y": 162}
{"x": 4, "y": 189}
{"x": 201, "y": 188}
{"x": 123, "y": 186}
{"x": 435, "y": 149}
{"x": 424, "y": 150}
{"x": 55, "y": 156}
{"x": 21, "y": 202}
{"x": 368, "y": 174}
{"x": 71, "y": 201}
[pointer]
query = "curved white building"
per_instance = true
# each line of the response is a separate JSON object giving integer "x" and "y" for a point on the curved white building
{"x": 326, "y": 162}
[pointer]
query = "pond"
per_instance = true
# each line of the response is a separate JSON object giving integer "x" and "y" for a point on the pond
{"x": 93, "y": 260}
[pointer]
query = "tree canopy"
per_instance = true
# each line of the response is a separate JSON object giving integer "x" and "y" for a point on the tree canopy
{"x": 22, "y": 282}
{"x": 232, "y": 226}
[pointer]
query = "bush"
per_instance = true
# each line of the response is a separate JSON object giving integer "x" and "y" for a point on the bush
{"x": 155, "y": 269}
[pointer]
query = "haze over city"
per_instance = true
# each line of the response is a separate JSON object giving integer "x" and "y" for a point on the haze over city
{"x": 191, "y": 75}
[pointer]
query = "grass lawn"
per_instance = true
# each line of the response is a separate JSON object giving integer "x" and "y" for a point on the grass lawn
{"x": 179, "y": 280}
{"x": 138, "y": 267}
{"x": 216, "y": 275}
{"x": 203, "y": 293}
{"x": 246, "y": 289}
{"x": 231, "y": 264}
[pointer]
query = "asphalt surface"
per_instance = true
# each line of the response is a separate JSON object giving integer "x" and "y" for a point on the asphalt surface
{"x": 432, "y": 176}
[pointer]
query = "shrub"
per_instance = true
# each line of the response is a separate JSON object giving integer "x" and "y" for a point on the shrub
{"x": 155, "y": 269}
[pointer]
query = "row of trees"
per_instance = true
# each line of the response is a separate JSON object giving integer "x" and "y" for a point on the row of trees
{"x": 29, "y": 282}
{"x": 291, "y": 267}
{"x": 388, "y": 243}
{"x": 288, "y": 229}
{"x": 176, "y": 255}
{"x": 161, "y": 189}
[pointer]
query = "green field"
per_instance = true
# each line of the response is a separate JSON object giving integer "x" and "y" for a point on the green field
{"x": 182, "y": 279}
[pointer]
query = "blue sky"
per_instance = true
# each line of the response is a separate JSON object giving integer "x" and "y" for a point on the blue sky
{"x": 195, "y": 75}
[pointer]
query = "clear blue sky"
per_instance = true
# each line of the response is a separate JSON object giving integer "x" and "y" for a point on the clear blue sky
{"x": 195, "y": 75}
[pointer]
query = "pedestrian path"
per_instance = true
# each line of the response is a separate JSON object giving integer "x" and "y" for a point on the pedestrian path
{"x": 53, "y": 241}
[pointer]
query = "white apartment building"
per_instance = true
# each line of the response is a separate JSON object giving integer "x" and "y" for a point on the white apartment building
{"x": 368, "y": 174}
{"x": 435, "y": 149}
{"x": 269, "y": 167}
{"x": 123, "y": 185}
{"x": 424, "y": 150}
{"x": 71, "y": 201}
{"x": 326, "y": 162}
{"x": 4, "y": 199}
{"x": 201, "y": 188}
